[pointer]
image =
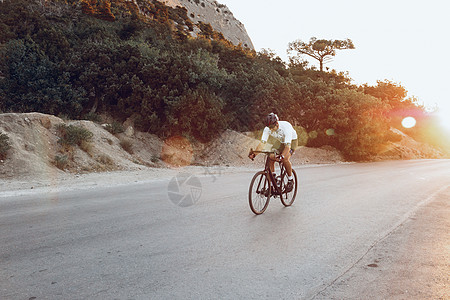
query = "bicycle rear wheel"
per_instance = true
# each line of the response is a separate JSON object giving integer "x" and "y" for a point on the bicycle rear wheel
{"x": 259, "y": 193}
{"x": 287, "y": 198}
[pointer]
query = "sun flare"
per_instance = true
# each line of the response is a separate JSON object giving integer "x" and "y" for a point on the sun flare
{"x": 444, "y": 117}
{"x": 408, "y": 122}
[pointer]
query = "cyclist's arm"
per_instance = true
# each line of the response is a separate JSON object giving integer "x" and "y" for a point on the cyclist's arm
{"x": 287, "y": 141}
{"x": 252, "y": 153}
{"x": 260, "y": 146}
{"x": 263, "y": 141}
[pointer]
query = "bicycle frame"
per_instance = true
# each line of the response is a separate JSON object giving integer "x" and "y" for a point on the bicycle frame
{"x": 273, "y": 180}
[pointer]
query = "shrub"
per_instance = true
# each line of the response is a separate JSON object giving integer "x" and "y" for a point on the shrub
{"x": 61, "y": 161}
{"x": 105, "y": 160}
{"x": 115, "y": 128}
{"x": 93, "y": 117}
{"x": 4, "y": 145}
{"x": 31, "y": 81}
{"x": 73, "y": 135}
{"x": 86, "y": 146}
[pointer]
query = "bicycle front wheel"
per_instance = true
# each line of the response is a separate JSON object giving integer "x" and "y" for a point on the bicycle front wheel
{"x": 259, "y": 193}
{"x": 287, "y": 198}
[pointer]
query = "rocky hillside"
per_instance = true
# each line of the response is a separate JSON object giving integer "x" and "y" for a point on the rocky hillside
{"x": 218, "y": 15}
{"x": 408, "y": 148}
{"x": 37, "y": 149}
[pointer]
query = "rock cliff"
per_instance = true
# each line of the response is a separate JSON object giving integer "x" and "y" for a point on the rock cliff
{"x": 218, "y": 15}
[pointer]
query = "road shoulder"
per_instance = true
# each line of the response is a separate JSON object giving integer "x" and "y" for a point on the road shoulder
{"x": 68, "y": 181}
{"x": 412, "y": 262}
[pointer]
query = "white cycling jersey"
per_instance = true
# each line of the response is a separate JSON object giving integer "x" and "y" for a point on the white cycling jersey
{"x": 285, "y": 133}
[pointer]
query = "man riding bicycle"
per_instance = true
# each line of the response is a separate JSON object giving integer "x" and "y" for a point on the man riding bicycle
{"x": 283, "y": 132}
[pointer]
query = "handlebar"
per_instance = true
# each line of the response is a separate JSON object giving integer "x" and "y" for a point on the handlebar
{"x": 264, "y": 152}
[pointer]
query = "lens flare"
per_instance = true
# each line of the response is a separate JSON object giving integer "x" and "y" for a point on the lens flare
{"x": 444, "y": 117}
{"x": 177, "y": 151}
{"x": 408, "y": 122}
{"x": 329, "y": 132}
{"x": 313, "y": 134}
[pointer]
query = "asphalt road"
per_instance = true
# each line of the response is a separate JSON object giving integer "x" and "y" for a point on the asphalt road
{"x": 144, "y": 241}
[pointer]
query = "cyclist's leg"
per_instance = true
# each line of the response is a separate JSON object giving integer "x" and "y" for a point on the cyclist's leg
{"x": 272, "y": 163}
{"x": 287, "y": 162}
{"x": 278, "y": 148}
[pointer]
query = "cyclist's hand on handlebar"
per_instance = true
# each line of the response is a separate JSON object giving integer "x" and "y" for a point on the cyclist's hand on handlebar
{"x": 251, "y": 154}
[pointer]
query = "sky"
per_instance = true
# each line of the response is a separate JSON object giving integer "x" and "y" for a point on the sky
{"x": 404, "y": 41}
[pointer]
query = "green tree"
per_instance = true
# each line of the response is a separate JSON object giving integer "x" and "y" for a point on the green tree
{"x": 360, "y": 125}
{"x": 321, "y": 50}
{"x": 400, "y": 106}
{"x": 199, "y": 114}
{"x": 387, "y": 91}
{"x": 32, "y": 82}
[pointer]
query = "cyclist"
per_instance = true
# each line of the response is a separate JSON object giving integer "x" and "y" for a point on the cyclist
{"x": 283, "y": 132}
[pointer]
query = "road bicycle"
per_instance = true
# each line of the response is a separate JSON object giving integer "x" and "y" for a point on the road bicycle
{"x": 265, "y": 185}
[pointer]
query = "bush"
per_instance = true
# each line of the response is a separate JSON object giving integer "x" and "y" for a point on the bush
{"x": 73, "y": 135}
{"x": 87, "y": 147}
{"x": 31, "y": 81}
{"x": 4, "y": 145}
{"x": 105, "y": 160}
{"x": 61, "y": 161}
{"x": 93, "y": 117}
{"x": 115, "y": 128}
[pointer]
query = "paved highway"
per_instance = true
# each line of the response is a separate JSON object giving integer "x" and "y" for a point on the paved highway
{"x": 196, "y": 238}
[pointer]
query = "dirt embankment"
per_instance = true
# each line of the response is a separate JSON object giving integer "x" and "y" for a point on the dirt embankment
{"x": 408, "y": 148}
{"x": 36, "y": 150}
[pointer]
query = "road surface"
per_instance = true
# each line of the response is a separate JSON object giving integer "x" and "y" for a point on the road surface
{"x": 355, "y": 231}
